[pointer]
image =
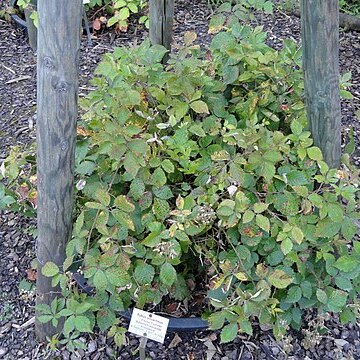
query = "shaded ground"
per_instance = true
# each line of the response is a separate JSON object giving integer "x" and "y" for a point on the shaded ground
{"x": 17, "y": 119}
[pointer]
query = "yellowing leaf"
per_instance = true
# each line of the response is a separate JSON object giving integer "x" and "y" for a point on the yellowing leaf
{"x": 200, "y": 107}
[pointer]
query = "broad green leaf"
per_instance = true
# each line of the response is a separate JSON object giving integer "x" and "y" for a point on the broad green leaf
{"x": 137, "y": 188}
{"x": 144, "y": 273}
{"x": 321, "y": 296}
{"x": 347, "y": 263}
{"x": 280, "y": 279}
{"x": 168, "y": 166}
{"x": 216, "y": 320}
{"x": 105, "y": 318}
{"x": 199, "y": 107}
{"x": 229, "y": 333}
{"x": 102, "y": 196}
{"x": 82, "y": 324}
{"x": 197, "y": 130}
{"x": 50, "y": 269}
{"x": 158, "y": 178}
{"x": 260, "y": 207}
{"x": 100, "y": 280}
{"x": 263, "y": 222}
{"x": 335, "y": 212}
{"x": 124, "y": 204}
{"x": 248, "y": 216}
{"x": 167, "y": 274}
{"x": 293, "y": 294}
{"x": 314, "y": 153}
{"x": 286, "y": 246}
{"x": 297, "y": 234}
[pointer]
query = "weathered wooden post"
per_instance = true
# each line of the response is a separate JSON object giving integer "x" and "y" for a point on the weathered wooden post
{"x": 161, "y": 15}
{"x": 57, "y": 92}
{"x": 320, "y": 39}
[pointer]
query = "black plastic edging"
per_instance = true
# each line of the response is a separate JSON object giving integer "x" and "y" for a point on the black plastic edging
{"x": 21, "y": 23}
{"x": 175, "y": 324}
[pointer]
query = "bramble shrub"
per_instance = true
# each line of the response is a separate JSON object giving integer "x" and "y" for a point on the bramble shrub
{"x": 202, "y": 172}
{"x": 117, "y": 12}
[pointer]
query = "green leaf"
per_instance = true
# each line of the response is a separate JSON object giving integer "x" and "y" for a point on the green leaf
{"x": 161, "y": 209}
{"x": 158, "y": 178}
{"x": 50, "y": 269}
{"x": 117, "y": 276}
{"x": 103, "y": 197}
{"x": 229, "y": 333}
{"x": 197, "y": 130}
{"x": 167, "y": 274}
{"x": 297, "y": 235}
{"x": 45, "y": 318}
{"x": 293, "y": 295}
{"x": 82, "y": 324}
{"x": 286, "y": 246}
{"x": 248, "y": 216}
{"x": 335, "y": 212}
{"x": 280, "y": 279}
{"x": 131, "y": 164}
{"x": 199, "y": 107}
{"x": 263, "y": 222}
{"x": 343, "y": 283}
{"x": 296, "y": 178}
{"x": 260, "y": 207}
{"x": 327, "y": 228}
{"x": 144, "y": 273}
{"x": 321, "y": 296}
{"x": 314, "y": 153}
{"x": 168, "y": 166}
{"x": 137, "y": 188}
{"x": 124, "y": 204}
{"x": 100, "y": 280}
{"x": 337, "y": 300}
{"x": 105, "y": 318}
{"x": 347, "y": 263}
{"x": 216, "y": 320}
{"x": 348, "y": 229}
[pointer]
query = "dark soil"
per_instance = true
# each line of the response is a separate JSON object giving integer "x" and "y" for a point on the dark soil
{"x": 17, "y": 121}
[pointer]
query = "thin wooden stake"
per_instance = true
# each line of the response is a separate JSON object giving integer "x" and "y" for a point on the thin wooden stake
{"x": 320, "y": 39}
{"x": 142, "y": 348}
{"x": 161, "y": 15}
{"x": 57, "y": 93}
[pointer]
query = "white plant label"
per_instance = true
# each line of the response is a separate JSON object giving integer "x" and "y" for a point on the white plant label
{"x": 148, "y": 325}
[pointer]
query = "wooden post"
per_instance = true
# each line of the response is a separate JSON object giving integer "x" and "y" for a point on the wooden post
{"x": 320, "y": 39}
{"x": 57, "y": 92}
{"x": 161, "y": 22}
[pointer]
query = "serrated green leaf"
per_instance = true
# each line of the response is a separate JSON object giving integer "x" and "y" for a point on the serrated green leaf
{"x": 293, "y": 294}
{"x": 168, "y": 166}
{"x": 100, "y": 280}
{"x": 314, "y": 153}
{"x": 82, "y": 324}
{"x": 50, "y": 269}
{"x": 199, "y": 107}
{"x": 297, "y": 235}
{"x": 216, "y": 320}
{"x": 347, "y": 263}
{"x": 45, "y": 318}
{"x": 197, "y": 130}
{"x": 229, "y": 333}
{"x": 102, "y": 196}
{"x": 158, "y": 178}
{"x": 124, "y": 204}
{"x": 105, "y": 318}
{"x": 248, "y": 216}
{"x": 321, "y": 296}
{"x": 335, "y": 212}
{"x": 286, "y": 246}
{"x": 137, "y": 188}
{"x": 167, "y": 274}
{"x": 263, "y": 222}
{"x": 144, "y": 273}
{"x": 161, "y": 209}
{"x": 260, "y": 207}
{"x": 280, "y": 279}
{"x": 296, "y": 178}
{"x": 337, "y": 300}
